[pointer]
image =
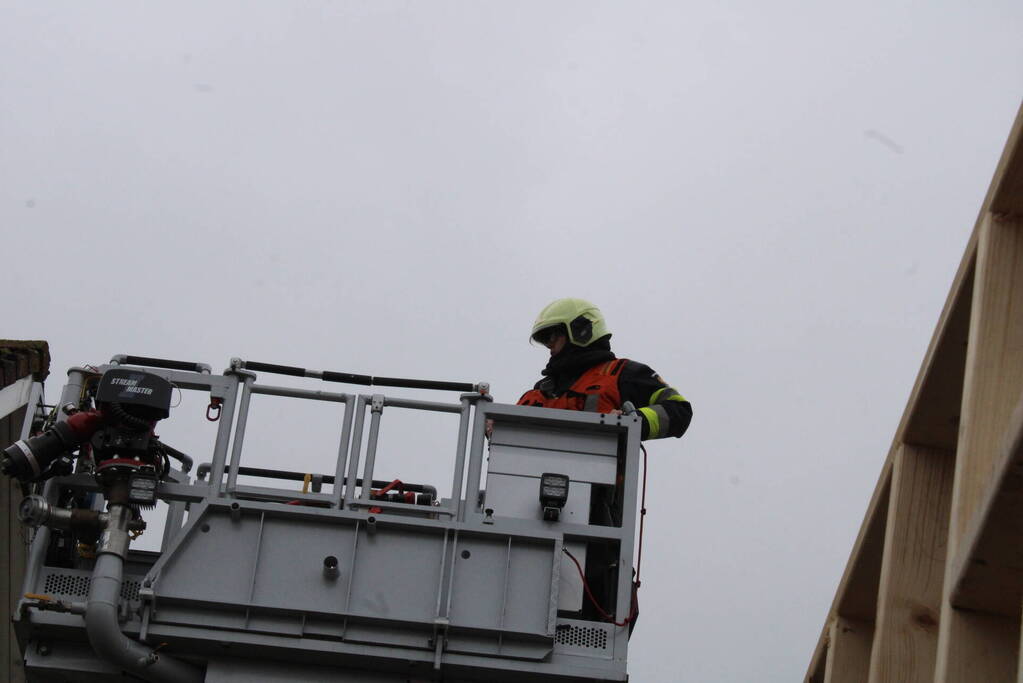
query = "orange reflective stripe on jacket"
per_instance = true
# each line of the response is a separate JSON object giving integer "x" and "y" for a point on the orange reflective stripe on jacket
{"x": 595, "y": 390}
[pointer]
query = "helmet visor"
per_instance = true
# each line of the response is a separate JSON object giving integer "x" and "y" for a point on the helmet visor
{"x": 545, "y": 335}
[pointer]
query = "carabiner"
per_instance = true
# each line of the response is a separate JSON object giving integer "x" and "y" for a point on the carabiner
{"x": 215, "y": 405}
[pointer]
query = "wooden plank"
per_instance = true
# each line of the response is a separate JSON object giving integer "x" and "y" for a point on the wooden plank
{"x": 930, "y": 418}
{"x": 909, "y": 597}
{"x": 1006, "y": 194}
{"x": 848, "y": 651}
{"x": 819, "y": 662}
{"x": 988, "y": 569}
{"x": 974, "y": 646}
{"x": 935, "y": 403}
{"x": 856, "y": 596}
{"x": 994, "y": 366}
{"x": 932, "y": 415}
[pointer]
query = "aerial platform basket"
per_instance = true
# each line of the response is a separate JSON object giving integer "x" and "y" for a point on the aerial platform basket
{"x": 272, "y": 584}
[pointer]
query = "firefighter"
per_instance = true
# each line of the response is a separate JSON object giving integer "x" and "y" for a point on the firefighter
{"x": 583, "y": 373}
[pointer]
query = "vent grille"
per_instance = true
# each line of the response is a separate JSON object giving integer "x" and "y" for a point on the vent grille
{"x": 67, "y": 584}
{"x": 77, "y": 585}
{"x": 130, "y": 589}
{"x": 591, "y": 638}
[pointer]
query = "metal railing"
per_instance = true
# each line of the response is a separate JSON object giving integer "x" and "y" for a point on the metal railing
{"x": 352, "y": 493}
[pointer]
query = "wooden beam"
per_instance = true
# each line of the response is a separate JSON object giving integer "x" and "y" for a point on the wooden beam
{"x": 909, "y": 597}
{"x": 856, "y": 597}
{"x": 848, "y": 651}
{"x": 994, "y": 366}
{"x": 931, "y": 418}
{"x": 818, "y": 665}
{"x": 973, "y": 646}
{"x": 1006, "y": 193}
{"x": 988, "y": 569}
{"x": 961, "y": 402}
{"x": 932, "y": 414}
{"x": 858, "y": 594}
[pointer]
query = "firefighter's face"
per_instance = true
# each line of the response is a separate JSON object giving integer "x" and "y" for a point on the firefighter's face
{"x": 556, "y": 342}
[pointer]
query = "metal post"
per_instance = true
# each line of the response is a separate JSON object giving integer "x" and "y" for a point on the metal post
{"x": 71, "y": 393}
{"x": 472, "y": 485}
{"x": 239, "y": 431}
{"x": 342, "y": 453}
{"x": 223, "y": 437}
{"x": 175, "y": 516}
{"x": 35, "y": 394}
{"x": 353, "y": 460}
{"x": 463, "y": 431}
{"x": 40, "y": 544}
{"x": 376, "y": 410}
{"x": 172, "y": 525}
{"x": 629, "y": 519}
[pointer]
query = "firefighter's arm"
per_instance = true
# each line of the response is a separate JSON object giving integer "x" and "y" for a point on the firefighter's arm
{"x": 664, "y": 410}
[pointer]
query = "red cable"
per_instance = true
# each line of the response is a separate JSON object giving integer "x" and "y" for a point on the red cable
{"x": 639, "y": 562}
{"x": 389, "y": 487}
{"x": 589, "y": 594}
{"x": 642, "y": 518}
{"x": 375, "y": 510}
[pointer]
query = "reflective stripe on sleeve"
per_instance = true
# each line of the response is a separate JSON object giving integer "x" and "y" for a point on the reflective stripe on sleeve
{"x": 653, "y": 422}
{"x": 665, "y": 394}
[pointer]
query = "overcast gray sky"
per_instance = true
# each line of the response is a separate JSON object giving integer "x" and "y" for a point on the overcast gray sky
{"x": 768, "y": 201}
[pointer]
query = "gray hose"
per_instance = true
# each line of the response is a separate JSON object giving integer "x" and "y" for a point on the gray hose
{"x": 101, "y": 618}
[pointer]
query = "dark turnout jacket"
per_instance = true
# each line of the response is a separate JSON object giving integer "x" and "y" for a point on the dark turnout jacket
{"x": 592, "y": 378}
